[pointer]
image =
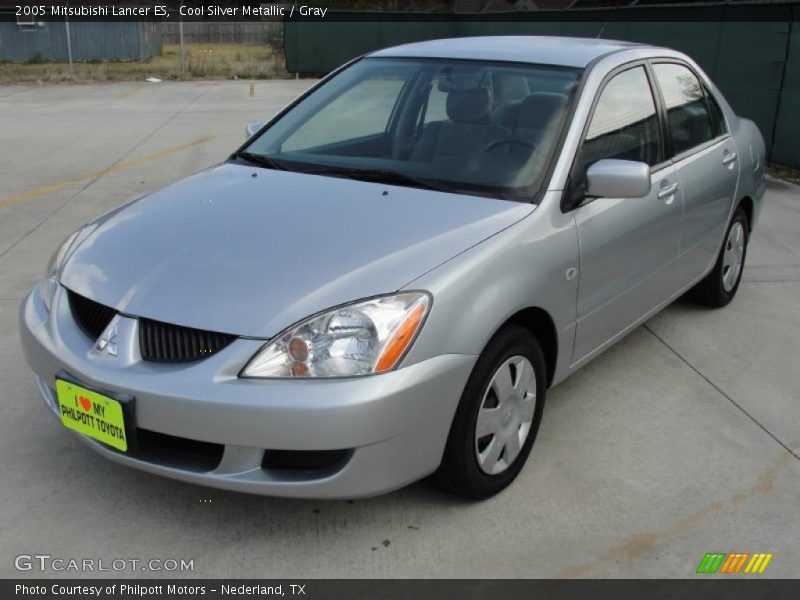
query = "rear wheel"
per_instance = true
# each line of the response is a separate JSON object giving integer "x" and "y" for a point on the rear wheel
{"x": 497, "y": 418}
{"x": 720, "y": 285}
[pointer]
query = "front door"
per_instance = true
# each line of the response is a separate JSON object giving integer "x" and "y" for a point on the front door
{"x": 628, "y": 246}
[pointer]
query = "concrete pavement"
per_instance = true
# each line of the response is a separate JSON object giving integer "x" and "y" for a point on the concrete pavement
{"x": 683, "y": 439}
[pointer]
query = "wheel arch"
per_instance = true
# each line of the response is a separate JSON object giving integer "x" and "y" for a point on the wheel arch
{"x": 539, "y": 322}
{"x": 747, "y": 205}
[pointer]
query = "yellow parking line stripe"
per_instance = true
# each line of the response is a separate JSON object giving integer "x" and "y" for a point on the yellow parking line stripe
{"x": 127, "y": 164}
{"x": 131, "y": 92}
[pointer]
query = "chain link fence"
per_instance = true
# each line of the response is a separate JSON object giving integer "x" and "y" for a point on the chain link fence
{"x": 251, "y": 50}
{"x": 219, "y": 32}
{"x": 72, "y": 50}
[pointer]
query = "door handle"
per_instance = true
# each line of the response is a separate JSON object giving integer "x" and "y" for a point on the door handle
{"x": 729, "y": 158}
{"x": 667, "y": 191}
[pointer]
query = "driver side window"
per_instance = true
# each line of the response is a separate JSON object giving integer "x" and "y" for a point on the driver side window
{"x": 625, "y": 123}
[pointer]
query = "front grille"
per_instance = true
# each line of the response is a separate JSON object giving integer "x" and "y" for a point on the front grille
{"x": 163, "y": 342}
{"x": 91, "y": 316}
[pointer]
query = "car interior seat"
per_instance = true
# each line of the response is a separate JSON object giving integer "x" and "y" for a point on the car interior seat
{"x": 528, "y": 120}
{"x": 465, "y": 133}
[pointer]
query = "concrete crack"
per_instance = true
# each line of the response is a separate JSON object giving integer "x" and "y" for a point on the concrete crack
{"x": 722, "y": 392}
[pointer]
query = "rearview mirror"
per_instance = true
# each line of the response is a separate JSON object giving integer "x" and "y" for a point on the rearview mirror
{"x": 252, "y": 128}
{"x": 613, "y": 178}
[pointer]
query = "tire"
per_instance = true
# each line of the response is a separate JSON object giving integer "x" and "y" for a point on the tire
{"x": 719, "y": 287}
{"x": 467, "y": 467}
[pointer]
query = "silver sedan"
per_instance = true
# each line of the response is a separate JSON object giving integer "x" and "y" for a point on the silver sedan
{"x": 382, "y": 283}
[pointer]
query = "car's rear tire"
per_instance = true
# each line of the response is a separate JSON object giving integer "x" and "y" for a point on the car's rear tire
{"x": 505, "y": 396}
{"x": 719, "y": 287}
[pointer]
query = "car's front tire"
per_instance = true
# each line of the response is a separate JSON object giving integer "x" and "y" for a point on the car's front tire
{"x": 719, "y": 287}
{"x": 497, "y": 418}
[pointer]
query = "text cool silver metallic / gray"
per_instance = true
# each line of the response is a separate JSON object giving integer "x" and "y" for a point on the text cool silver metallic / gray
{"x": 383, "y": 282}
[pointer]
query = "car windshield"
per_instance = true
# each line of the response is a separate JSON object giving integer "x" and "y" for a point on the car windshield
{"x": 450, "y": 125}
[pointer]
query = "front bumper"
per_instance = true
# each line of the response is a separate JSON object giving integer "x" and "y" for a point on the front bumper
{"x": 393, "y": 426}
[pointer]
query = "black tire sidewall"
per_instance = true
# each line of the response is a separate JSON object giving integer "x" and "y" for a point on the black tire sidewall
{"x": 460, "y": 462}
{"x": 710, "y": 291}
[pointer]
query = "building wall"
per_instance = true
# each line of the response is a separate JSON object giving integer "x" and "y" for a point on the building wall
{"x": 118, "y": 40}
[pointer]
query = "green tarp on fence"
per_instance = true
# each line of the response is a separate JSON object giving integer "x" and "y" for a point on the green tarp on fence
{"x": 755, "y": 62}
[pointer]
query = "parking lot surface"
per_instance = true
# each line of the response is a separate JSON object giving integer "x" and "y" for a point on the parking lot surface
{"x": 682, "y": 439}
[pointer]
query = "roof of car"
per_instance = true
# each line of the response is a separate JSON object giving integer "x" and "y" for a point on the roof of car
{"x": 548, "y": 50}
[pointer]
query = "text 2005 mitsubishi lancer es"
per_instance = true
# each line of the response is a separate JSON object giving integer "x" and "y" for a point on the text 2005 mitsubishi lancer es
{"x": 383, "y": 282}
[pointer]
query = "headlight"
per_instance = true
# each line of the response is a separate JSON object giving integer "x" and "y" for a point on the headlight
{"x": 365, "y": 337}
{"x": 48, "y": 285}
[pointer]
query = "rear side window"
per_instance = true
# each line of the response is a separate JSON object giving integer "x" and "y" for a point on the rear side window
{"x": 624, "y": 124}
{"x": 688, "y": 119}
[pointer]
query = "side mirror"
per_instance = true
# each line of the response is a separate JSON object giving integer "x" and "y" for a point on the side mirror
{"x": 613, "y": 178}
{"x": 252, "y": 128}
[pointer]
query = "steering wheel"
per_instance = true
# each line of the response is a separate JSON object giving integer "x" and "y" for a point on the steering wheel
{"x": 508, "y": 141}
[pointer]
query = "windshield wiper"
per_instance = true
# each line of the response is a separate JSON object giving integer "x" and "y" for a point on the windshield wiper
{"x": 261, "y": 160}
{"x": 374, "y": 175}
{"x": 381, "y": 176}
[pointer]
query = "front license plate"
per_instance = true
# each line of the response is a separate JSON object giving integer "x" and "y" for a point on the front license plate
{"x": 92, "y": 414}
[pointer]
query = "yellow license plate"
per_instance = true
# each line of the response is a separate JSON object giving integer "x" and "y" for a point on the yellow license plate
{"x": 92, "y": 414}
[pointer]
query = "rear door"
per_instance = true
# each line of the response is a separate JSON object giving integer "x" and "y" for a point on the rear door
{"x": 628, "y": 246}
{"x": 707, "y": 162}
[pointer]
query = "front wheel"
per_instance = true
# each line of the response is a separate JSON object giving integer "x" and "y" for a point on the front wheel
{"x": 497, "y": 418}
{"x": 719, "y": 287}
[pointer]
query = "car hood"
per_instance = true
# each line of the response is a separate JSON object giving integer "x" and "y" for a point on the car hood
{"x": 249, "y": 251}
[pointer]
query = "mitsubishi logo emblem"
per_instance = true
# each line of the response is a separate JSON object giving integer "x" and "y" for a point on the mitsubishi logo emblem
{"x": 108, "y": 340}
